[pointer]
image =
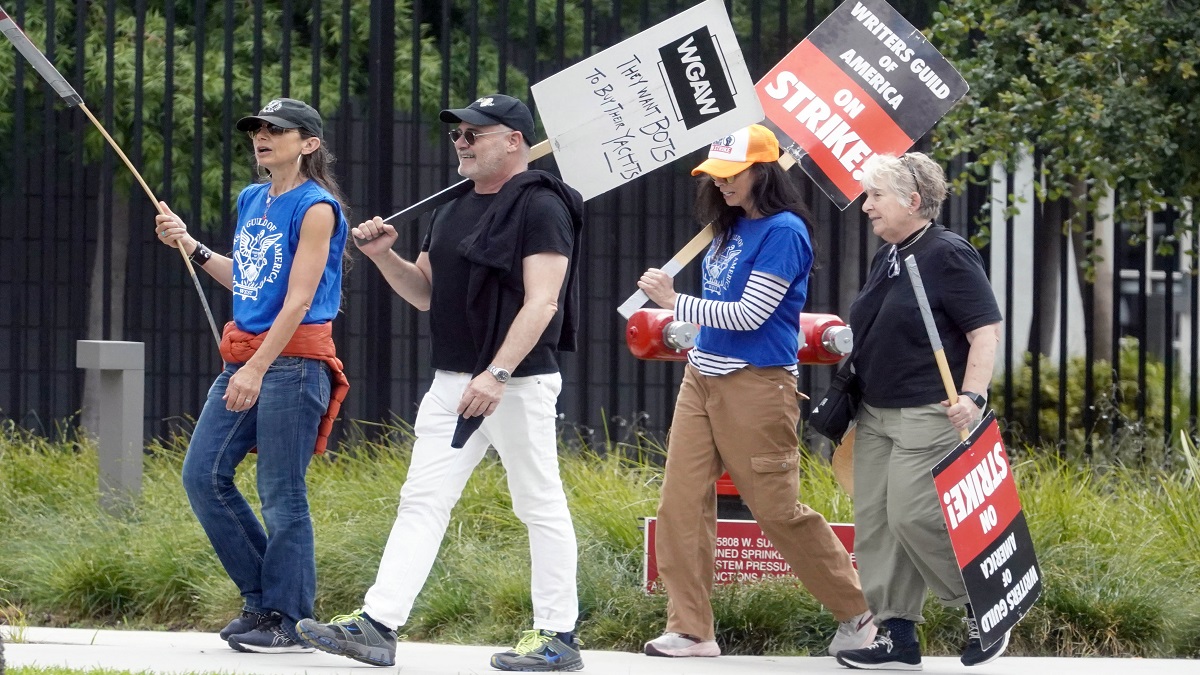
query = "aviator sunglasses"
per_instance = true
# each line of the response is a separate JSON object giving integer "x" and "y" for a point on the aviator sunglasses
{"x": 271, "y": 129}
{"x": 471, "y": 134}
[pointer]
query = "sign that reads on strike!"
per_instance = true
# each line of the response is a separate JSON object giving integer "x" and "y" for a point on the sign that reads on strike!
{"x": 988, "y": 531}
{"x": 865, "y": 82}
{"x": 647, "y": 100}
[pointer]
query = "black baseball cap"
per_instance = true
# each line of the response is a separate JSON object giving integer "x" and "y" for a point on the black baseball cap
{"x": 287, "y": 113}
{"x": 495, "y": 109}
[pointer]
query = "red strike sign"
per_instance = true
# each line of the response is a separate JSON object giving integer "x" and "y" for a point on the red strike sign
{"x": 829, "y": 115}
{"x": 988, "y": 531}
{"x": 978, "y": 495}
{"x": 864, "y": 82}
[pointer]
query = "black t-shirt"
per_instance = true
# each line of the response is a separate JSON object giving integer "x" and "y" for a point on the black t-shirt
{"x": 548, "y": 229}
{"x": 893, "y": 355}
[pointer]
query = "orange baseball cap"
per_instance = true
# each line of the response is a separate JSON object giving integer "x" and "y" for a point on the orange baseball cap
{"x": 734, "y": 153}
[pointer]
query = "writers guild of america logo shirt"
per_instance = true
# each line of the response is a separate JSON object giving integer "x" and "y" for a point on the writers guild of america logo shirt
{"x": 719, "y": 266}
{"x": 258, "y": 257}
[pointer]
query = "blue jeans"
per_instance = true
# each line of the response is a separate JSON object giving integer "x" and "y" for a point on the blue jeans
{"x": 274, "y": 569}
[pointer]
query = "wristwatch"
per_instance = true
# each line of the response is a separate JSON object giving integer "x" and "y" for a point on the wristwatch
{"x": 499, "y": 373}
{"x": 977, "y": 399}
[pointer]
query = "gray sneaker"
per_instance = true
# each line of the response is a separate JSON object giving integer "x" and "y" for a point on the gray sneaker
{"x": 352, "y": 636}
{"x": 540, "y": 651}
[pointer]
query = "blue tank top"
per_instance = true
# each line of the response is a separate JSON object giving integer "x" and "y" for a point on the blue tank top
{"x": 264, "y": 246}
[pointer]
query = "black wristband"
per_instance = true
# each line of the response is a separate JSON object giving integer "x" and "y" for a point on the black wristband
{"x": 201, "y": 255}
{"x": 977, "y": 399}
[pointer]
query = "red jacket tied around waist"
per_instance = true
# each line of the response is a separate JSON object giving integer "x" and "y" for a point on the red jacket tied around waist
{"x": 310, "y": 341}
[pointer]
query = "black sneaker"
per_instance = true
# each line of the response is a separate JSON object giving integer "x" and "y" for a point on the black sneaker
{"x": 882, "y": 655}
{"x": 974, "y": 654}
{"x": 244, "y": 623}
{"x": 268, "y": 637}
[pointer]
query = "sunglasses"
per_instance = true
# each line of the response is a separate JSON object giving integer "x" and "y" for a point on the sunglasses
{"x": 271, "y": 129}
{"x": 893, "y": 263}
{"x": 471, "y": 134}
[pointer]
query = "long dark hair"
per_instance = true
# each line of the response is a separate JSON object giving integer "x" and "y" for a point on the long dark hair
{"x": 773, "y": 192}
{"x": 318, "y": 165}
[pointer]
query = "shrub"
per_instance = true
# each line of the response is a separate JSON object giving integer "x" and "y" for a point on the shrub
{"x": 1119, "y": 549}
{"x": 1117, "y": 432}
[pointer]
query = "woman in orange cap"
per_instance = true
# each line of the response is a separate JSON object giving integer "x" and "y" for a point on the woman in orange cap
{"x": 738, "y": 408}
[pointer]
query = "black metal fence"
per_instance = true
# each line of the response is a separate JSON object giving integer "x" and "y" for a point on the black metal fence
{"x": 80, "y": 261}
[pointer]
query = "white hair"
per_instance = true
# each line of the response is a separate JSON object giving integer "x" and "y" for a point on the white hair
{"x": 904, "y": 175}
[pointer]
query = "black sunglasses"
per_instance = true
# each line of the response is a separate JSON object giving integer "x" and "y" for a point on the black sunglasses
{"x": 272, "y": 129}
{"x": 471, "y": 134}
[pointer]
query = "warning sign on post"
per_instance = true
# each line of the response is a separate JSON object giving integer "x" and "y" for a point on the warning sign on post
{"x": 988, "y": 530}
{"x": 865, "y": 82}
{"x": 744, "y": 554}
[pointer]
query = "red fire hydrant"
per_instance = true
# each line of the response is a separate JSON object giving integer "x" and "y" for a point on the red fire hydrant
{"x": 653, "y": 334}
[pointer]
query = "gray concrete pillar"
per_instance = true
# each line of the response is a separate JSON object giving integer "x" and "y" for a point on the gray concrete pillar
{"x": 122, "y": 367}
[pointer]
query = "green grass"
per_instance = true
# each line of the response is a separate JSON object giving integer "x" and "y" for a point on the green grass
{"x": 1119, "y": 548}
{"x": 63, "y": 670}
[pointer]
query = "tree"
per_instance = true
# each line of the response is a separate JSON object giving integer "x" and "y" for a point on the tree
{"x": 172, "y": 57}
{"x": 1102, "y": 91}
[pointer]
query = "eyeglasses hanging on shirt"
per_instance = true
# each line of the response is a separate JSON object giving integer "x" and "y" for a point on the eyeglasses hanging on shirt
{"x": 893, "y": 263}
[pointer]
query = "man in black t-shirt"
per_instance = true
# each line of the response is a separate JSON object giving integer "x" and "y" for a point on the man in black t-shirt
{"x": 496, "y": 273}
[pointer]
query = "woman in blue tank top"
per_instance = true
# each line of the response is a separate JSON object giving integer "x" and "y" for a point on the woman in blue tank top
{"x": 737, "y": 408}
{"x": 282, "y": 378}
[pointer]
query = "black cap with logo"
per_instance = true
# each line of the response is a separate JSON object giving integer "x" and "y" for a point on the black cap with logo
{"x": 495, "y": 109}
{"x": 287, "y": 113}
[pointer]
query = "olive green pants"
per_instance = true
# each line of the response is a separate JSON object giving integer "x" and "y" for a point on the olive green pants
{"x": 900, "y": 537}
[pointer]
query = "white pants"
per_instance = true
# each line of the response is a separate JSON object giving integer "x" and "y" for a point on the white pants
{"x": 522, "y": 431}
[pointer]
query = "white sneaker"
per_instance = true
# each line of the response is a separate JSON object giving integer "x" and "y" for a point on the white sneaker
{"x": 854, "y": 633}
{"x": 678, "y": 644}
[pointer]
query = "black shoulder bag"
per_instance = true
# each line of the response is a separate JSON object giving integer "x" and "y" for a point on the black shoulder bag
{"x": 836, "y": 409}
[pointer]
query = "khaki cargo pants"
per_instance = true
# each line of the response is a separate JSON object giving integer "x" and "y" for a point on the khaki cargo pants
{"x": 743, "y": 422}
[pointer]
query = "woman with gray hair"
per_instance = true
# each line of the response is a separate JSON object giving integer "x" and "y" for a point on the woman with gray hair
{"x": 905, "y": 424}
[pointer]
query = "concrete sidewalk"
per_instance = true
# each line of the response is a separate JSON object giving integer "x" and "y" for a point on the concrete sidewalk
{"x": 161, "y": 652}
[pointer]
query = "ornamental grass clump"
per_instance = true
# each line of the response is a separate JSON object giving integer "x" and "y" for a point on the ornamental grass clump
{"x": 1119, "y": 547}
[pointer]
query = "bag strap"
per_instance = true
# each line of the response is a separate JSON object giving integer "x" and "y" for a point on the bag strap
{"x": 849, "y": 364}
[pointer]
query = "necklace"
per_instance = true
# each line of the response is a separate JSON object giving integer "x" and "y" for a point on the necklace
{"x": 893, "y": 260}
{"x": 271, "y": 198}
{"x": 918, "y": 237}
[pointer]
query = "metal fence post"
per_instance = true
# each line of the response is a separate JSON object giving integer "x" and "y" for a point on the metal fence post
{"x": 122, "y": 367}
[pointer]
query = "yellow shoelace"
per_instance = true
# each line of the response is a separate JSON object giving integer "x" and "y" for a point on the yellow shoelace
{"x": 531, "y": 641}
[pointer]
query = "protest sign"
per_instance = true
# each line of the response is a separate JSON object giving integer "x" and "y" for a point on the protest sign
{"x": 988, "y": 531}
{"x": 647, "y": 100}
{"x": 864, "y": 82}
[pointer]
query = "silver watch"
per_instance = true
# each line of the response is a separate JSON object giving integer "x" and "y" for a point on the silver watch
{"x": 499, "y": 373}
